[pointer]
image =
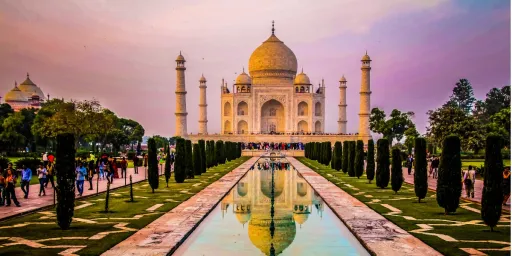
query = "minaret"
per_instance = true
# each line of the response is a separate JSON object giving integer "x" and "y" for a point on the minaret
{"x": 203, "y": 121}
{"x": 342, "y": 112}
{"x": 181, "y": 98}
{"x": 364, "y": 105}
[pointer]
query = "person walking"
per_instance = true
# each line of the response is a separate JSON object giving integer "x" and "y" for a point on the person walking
{"x": 469, "y": 182}
{"x": 145, "y": 161}
{"x": 102, "y": 168}
{"x": 26, "y": 176}
{"x": 81, "y": 173}
{"x": 410, "y": 161}
{"x": 41, "y": 174}
{"x": 506, "y": 185}
{"x": 90, "y": 172}
{"x": 124, "y": 165}
{"x": 115, "y": 167}
{"x": 45, "y": 159}
{"x": 2, "y": 187}
{"x": 435, "y": 167}
{"x": 49, "y": 175}
{"x": 136, "y": 163}
{"x": 10, "y": 192}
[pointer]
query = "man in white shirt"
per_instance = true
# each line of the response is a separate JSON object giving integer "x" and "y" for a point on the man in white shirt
{"x": 469, "y": 181}
{"x": 45, "y": 159}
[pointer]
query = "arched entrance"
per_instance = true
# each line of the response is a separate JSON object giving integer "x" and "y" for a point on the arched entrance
{"x": 302, "y": 109}
{"x": 272, "y": 117}
{"x": 227, "y": 109}
{"x": 302, "y": 126}
{"x": 242, "y": 109}
{"x": 242, "y": 127}
{"x": 318, "y": 127}
{"x": 227, "y": 127}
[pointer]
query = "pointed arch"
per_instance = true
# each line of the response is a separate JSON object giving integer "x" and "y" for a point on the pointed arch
{"x": 227, "y": 109}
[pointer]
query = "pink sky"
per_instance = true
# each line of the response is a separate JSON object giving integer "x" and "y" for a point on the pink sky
{"x": 122, "y": 52}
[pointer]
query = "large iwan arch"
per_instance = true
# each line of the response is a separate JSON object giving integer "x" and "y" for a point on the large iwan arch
{"x": 272, "y": 117}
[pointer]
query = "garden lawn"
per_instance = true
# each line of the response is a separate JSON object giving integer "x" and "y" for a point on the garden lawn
{"x": 464, "y": 227}
{"x": 91, "y": 224}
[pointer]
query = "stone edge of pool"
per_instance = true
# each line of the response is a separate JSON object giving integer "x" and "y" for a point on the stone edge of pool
{"x": 165, "y": 234}
{"x": 377, "y": 234}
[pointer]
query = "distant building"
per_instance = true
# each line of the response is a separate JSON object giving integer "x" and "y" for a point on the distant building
{"x": 25, "y": 95}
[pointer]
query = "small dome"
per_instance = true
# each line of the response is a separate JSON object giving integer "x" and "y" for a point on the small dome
{"x": 343, "y": 79}
{"x": 180, "y": 58}
{"x": 244, "y": 79}
{"x": 15, "y": 95}
{"x": 366, "y": 57}
{"x": 301, "y": 79}
{"x": 202, "y": 79}
{"x": 28, "y": 87}
{"x": 243, "y": 217}
{"x": 300, "y": 218}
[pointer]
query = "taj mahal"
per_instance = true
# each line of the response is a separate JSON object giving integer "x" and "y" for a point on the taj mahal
{"x": 273, "y": 102}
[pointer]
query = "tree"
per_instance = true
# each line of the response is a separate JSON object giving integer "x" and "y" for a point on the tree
{"x": 213, "y": 153}
{"x": 219, "y": 151}
{"x": 328, "y": 148}
{"x": 492, "y": 194}
{"x": 338, "y": 152}
{"x": 167, "y": 165}
{"x": 65, "y": 174}
{"x": 179, "y": 162}
{"x": 189, "y": 161}
{"x": 420, "y": 168}
{"x": 462, "y": 96}
{"x": 499, "y": 123}
{"x": 370, "y": 162}
{"x": 344, "y": 157}
{"x": 152, "y": 164}
{"x": 449, "y": 186}
{"x": 197, "y": 159}
{"x": 392, "y": 128}
{"x": 359, "y": 159}
{"x": 382, "y": 180}
{"x": 203, "y": 155}
{"x": 397, "y": 176}
{"x": 410, "y": 135}
{"x": 351, "y": 158}
{"x": 11, "y": 131}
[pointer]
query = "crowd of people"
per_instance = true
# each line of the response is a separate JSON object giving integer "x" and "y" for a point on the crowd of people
{"x": 272, "y": 146}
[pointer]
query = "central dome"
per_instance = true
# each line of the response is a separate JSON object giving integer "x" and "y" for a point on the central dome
{"x": 273, "y": 59}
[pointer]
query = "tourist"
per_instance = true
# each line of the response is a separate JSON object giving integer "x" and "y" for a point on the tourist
{"x": 506, "y": 185}
{"x": 49, "y": 175}
{"x": 10, "y": 192}
{"x": 161, "y": 161}
{"x": 81, "y": 173}
{"x": 410, "y": 161}
{"x": 469, "y": 181}
{"x": 2, "y": 187}
{"x": 102, "y": 169}
{"x": 45, "y": 159}
{"x": 90, "y": 172}
{"x": 145, "y": 161}
{"x": 26, "y": 176}
{"x": 435, "y": 166}
{"x": 124, "y": 165}
{"x": 136, "y": 163}
{"x": 115, "y": 168}
{"x": 41, "y": 175}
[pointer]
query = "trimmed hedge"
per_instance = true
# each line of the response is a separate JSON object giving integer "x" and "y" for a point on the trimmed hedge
{"x": 65, "y": 174}
{"x": 370, "y": 162}
{"x": 180, "y": 172}
{"x": 420, "y": 168}
{"x": 449, "y": 186}
{"x": 382, "y": 179}
{"x": 397, "y": 176}
{"x": 359, "y": 159}
{"x": 492, "y": 194}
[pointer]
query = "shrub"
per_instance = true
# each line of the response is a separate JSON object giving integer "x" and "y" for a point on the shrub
{"x": 152, "y": 165}
{"x": 449, "y": 186}
{"x": 203, "y": 155}
{"x": 65, "y": 174}
{"x": 351, "y": 158}
{"x": 167, "y": 165}
{"x": 189, "y": 164}
{"x": 420, "y": 168}
{"x": 370, "y": 162}
{"x": 338, "y": 150}
{"x": 359, "y": 159}
{"x": 382, "y": 180}
{"x": 492, "y": 194}
{"x": 344, "y": 157}
{"x": 397, "y": 176}
{"x": 179, "y": 162}
{"x": 32, "y": 163}
{"x": 197, "y": 159}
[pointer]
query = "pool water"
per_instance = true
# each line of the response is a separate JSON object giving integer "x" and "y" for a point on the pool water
{"x": 271, "y": 211}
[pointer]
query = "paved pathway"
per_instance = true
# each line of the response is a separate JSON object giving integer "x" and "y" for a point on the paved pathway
{"x": 379, "y": 235}
{"x": 34, "y": 202}
{"x": 166, "y": 233}
{"x": 432, "y": 184}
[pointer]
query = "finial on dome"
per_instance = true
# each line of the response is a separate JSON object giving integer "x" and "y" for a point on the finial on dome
{"x": 243, "y": 69}
{"x": 273, "y": 28}
{"x": 302, "y": 70}
{"x": 15, "y": 83}
{"x": 28, "y": 76}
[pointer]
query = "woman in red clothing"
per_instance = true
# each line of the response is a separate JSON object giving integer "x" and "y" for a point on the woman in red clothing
{"x": 114, "y": 167}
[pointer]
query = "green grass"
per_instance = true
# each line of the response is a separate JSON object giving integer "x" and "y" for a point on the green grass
{"x": 423, "y": 213}
{"x": 119, "y": 206}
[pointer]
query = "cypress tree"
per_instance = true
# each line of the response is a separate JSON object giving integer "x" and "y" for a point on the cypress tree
{"x": 203, "y": 155}
{"x": 167, "y": 167}
{"x": 382, "y": 173}
{"x": 337, "y": 156}
{"x": 492, "y": 194}
{"x": 449, "y": 186}
{"x": 332, "y": 161}
{"x": 189, "y": 161}
{"x": 397, "y": 177}
{"x": 420, "y": 168}
{"x": 197, "y": 159}
{"x": 344, "y": 157}
{"x": 131, "y": 189}
{"x": 351, "y": 158}
{"x": 208, "y": 154}
{"x": 359, "y": 160}
{"x": 152, "y": 165}
{"x": 179, "y": 162}
{"x": 219, "y": 150}
{"x": 329, "y": 152}
{"x": 213, "y": 148}
{"x": 65, "y": 174}
{"x": 370, "y": 162}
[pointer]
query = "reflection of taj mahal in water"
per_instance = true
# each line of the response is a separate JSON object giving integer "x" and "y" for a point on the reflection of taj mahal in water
{"x": 273, "y": 102}
{"x": 251, "y": 201}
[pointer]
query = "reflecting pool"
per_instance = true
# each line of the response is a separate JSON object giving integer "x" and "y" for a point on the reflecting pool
{"x": 271, "y": 211}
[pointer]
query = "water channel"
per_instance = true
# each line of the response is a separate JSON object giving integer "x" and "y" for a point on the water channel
{"x": 271, "y": 211}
